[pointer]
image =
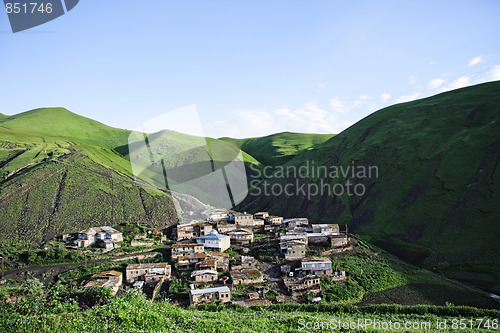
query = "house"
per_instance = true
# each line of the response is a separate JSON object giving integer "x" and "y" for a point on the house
{"x": 244, "y": 220}
{"x": 339, "y": 275}
{"x": 261, "y": 215}
{"x": 186, "y": 249}
{"x": 148, "y": 272}
{"x": 295, "y": 250}
{"x": 207, "y": 263}
{"x": 102, "y": 236}
{"x": 198, "y": 296}
{"x": 248, "y": 262}
{"x": 327, "y": 229}
{"x": 274, "y": 220}
{"x": 292, "y": 236}
{"x": 246, "y": 276}
{"x": 219, "y": 216}
{"x": 241, "y": 236}
{"x": 296, "y": 222}
{"x": 204, "y": 276}
{"x": 339, "y": 240}
{"x": 190, "y": 260}
{"x": 309, "y": 283}
{"x": 185, "y": 232}
{"x": 214, "y": 241}
{"x": 317, "y": 266}
{"x": 224, "y": 228}
{"x": 222, "y": 260}
{"x": 107, "y": 279}
{"x": 193, "y": 229}
{"x": 202, "y": 229}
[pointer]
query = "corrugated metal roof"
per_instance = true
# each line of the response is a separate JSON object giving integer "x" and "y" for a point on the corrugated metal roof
{"x": 224, "y": 289}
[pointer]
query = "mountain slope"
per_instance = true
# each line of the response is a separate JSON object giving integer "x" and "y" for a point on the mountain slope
{"x": 278, "y": 148}
{"x": 435, "y": 200}
{"x": 65, "y": 125}
{"x": 62, "y": 172}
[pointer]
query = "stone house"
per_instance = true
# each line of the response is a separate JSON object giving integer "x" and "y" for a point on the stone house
{"x": 296, "y": 222}
{"x": 274, "y": 220}
{"x": 185, "y": 232}
{"x": 295, "y": 250}
{"x": 244, "y": 220}
{"x": 107, "y": 279}
{"x": 222, "y": 260}
{"x": 316, "y": 266}
{"x": 224, "y": 228}
{"x": 186, "y": 249}
{"x": 248, "y": 262}
{"x": 292, "y": 236}
{"x": 246, "y": 276}
{"x": 241, "y": 236}
{"x": 207, "y": 263}
{"x": 199, "y": 296}
{"x": 193, "y": 229}
{"x": 204, "y": 276}
{"x": 261, "y": 215}
{"x": 306, "y": 284}
{"x": 190, "y": 260}
{"x": 201, "y": 229}
{"x": 327, "y": 229}
{"x": 148, "y": 272}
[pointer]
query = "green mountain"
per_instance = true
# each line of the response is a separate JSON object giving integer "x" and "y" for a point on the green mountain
{"x": 432, "y": 198}
{"x": 277, "y": 149}
{"x": 66, "y": 126}
{"x": 62, "y": 172}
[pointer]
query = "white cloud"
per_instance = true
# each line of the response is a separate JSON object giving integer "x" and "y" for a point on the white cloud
{"x": 407, "y": 98}
{"x": 310, "y": 118}
{"x": 436, "y": 83}
{"x": 363, "y": 97}
{"x": 493, "y": 74}
{"x": 461, "y": 82}
{"x": 337, "y": 105}
{"x": 322, "y": 85}
{"x": 412, "y": 80}
{"x": 475, "y": 61}
{"x": 385, "y": 97}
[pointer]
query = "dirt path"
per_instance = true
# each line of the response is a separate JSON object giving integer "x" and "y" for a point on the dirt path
{"x": 40, "y": 272}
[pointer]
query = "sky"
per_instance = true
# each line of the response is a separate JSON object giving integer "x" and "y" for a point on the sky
{"x": 246, "y": 68}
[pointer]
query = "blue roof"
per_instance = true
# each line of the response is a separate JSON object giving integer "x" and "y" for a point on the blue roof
{"x": 213, "y": 235}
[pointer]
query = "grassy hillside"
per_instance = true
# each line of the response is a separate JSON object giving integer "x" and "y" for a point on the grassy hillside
{"x": 65, "y": 125}
{"x": 435, "y": 200}
{"x": 277, "y": 149}
{"x": 134, "y": 313}
{"x": 61, "y": 172}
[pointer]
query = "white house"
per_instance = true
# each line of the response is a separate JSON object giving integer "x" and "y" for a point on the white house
{"x": 317, "y": 266}
{"x": 103, "y": 235}
{"x": 214, "y": 241}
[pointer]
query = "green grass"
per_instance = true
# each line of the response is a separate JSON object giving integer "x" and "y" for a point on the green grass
{"x": 435, "y": 202}
{"x": 278, "y": 148}
{"x": 78, "y": 174}
{"x": 134, "y": 313}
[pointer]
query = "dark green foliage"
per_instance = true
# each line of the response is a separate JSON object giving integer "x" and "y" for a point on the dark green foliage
{"x": 435, "y": 201}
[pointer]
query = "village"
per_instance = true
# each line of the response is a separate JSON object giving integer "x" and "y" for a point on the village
{"x": 230, "y": 257}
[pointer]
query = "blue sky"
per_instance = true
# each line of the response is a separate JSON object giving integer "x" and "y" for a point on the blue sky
{"x": 251, "y": 68}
